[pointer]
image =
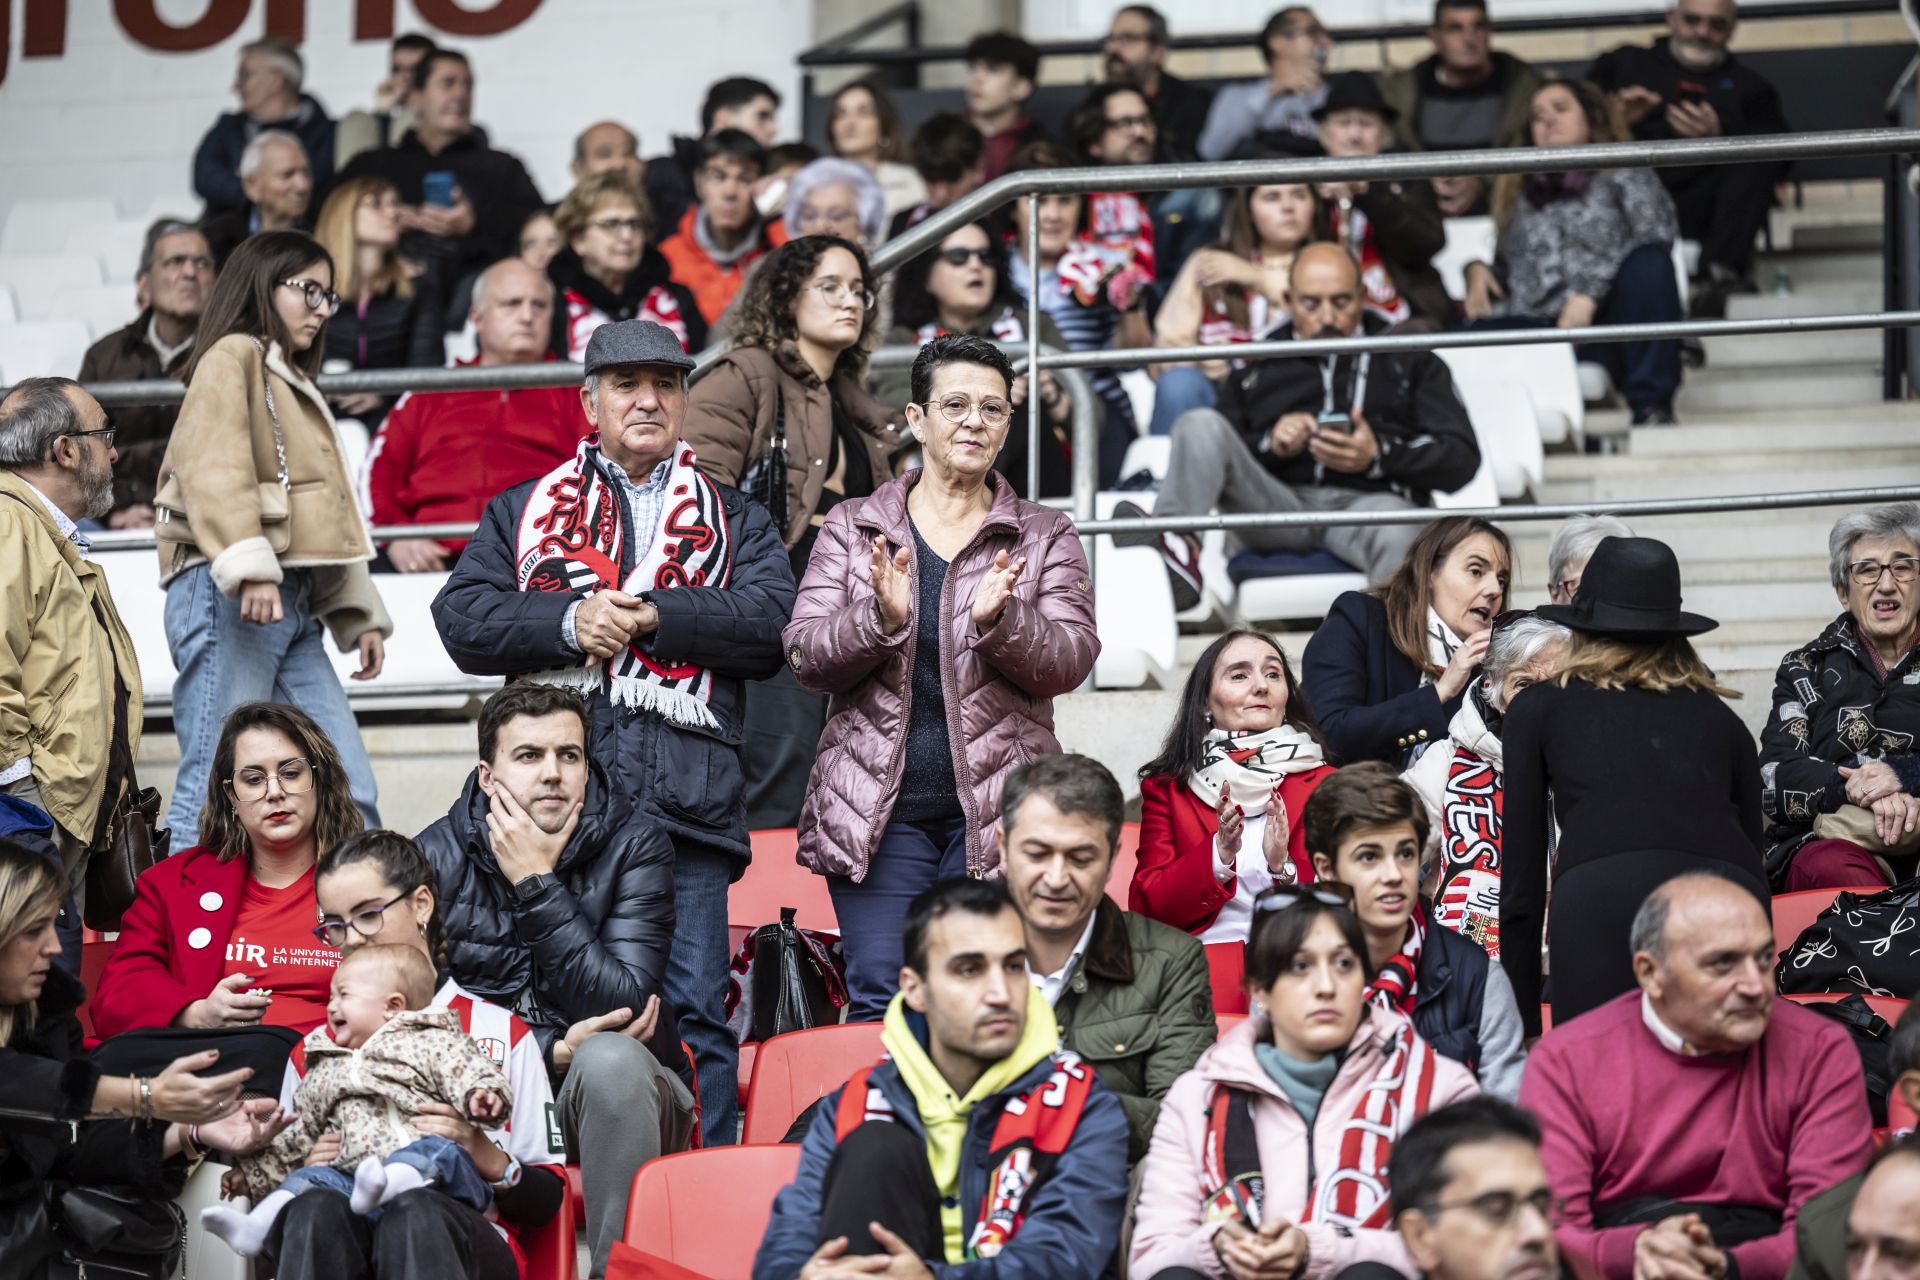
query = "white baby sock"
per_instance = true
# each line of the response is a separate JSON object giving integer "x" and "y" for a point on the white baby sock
{"x": 369, "y": 1184}
{"x": 245, "y": 1231}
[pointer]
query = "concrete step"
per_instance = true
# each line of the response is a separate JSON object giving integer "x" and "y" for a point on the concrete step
{"x": 1865, "y": 232}
{"x": 1703, "y": 436}
{"x": 1682, "y": 482}
{"x": 1901, "y": 458}
{"x": 1845, "y": 382}
{"x": 1773, "y": 351}
{"x": 1824, "y": 302}
{"x": 1843, "y": 271}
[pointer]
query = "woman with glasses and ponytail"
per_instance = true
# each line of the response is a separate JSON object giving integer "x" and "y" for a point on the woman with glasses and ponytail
{"x": 378, "y": 889}
{"x": 783, "y": 415}
{"x": 943, "y": 614}
{"x": 1271, "y": 1153}
{"x": 220, "y": 935}
{"x": 261, "y": 540}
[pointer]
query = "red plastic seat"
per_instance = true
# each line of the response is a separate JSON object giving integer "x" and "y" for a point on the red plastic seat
{"x": 1124, "y": 859}
{"x": 792, "y": 1071}
{"x": 703, "y": 1212}
{"x": 94, "y": 953}
{"x": 1793, "y": 912}
{"x": 551, "y": 1251}
{"x": 774, "y": 880}
{"x": 1227, "y": 967}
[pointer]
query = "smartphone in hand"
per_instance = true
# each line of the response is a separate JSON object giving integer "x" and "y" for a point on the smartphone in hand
{"x": 438, "y": 188}
{"x": 1336, "y": 423}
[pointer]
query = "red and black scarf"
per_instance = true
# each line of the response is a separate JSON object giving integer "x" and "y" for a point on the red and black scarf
{"x": 1471, "y": 800}
{"x": 1028, "y": 1138}
{"x": 1392, "y": 987}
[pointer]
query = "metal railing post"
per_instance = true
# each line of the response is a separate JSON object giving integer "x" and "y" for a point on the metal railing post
{"x": 1033, "y": 348}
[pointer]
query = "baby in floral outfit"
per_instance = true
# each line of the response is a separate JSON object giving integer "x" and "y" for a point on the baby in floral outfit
{"x": 389, "y": 1056}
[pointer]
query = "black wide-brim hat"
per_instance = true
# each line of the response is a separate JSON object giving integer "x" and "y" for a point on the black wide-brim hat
{"x": 1631, "y": 587}
{"x": 1355, "y": 90}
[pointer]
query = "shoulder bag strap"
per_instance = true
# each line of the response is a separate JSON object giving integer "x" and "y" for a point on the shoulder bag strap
{"x": 273, "y": 415}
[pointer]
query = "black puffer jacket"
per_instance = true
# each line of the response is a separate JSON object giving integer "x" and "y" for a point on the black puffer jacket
{"x": 1426, "y": 439}
{"x": 590, "y": 939}
{"x": 573, "y": 288}
{"x": 49, "y": 1086}
{"x": 1830, "y": 708}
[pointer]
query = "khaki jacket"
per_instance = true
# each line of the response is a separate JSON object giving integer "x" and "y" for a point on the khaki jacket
{"x": 222, "y": 450}
{"x": 730, "y": 416}
{"x": 57, "y": 664}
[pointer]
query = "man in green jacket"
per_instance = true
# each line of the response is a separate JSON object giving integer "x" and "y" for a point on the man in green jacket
{"x": 1822, "y": 1228}
{"x": 1131, "y": 995}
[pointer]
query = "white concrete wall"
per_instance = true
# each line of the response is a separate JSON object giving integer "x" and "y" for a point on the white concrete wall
{"x": 110, "y": 118}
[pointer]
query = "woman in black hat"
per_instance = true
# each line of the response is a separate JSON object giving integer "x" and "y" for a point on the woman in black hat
{"x": 1651, "y": 775}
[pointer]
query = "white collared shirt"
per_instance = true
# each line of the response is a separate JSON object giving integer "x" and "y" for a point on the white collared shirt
{"x": 1669, "y": 1039}
{"x": 1052, "y": 984}
{"x": 166, "y": 353}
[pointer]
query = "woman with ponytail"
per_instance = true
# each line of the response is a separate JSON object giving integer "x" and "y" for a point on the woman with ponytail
{"x": 378, "y": 888}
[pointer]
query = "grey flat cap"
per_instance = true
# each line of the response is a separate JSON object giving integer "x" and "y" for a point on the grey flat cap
{"x": 635, "y": 342}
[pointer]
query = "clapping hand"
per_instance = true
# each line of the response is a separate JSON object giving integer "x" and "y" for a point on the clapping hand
{"x": 892, "y": 577}
{"x": 1273, "y": 839}
{"x": 996, "y": 589}
{"x": 1232, "y": 825}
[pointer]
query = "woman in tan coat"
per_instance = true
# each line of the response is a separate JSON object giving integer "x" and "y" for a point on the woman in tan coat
{"x": 794, "y": 377}
{"x": 261, "y": 541}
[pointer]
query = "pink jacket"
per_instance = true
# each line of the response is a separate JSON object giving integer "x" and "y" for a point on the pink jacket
{"x": 998, "y": 685}
{"x": 1167, "y": 1230}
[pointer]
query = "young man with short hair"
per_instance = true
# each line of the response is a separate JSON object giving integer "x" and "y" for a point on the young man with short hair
{"x": 977, "y": 1147}
{"x": 737, "y": 102}
{"x": 721, "y": 236}
{"x": 946, "y": 151}
{"x": 1470, "y": 1196}
{"x": 1002, "y": 70}
{"x": 1467, "y": 93}
{"x": 1136, "y": 54}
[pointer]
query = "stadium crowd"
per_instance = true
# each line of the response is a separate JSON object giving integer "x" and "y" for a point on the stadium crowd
{"x": 1490, "y": 887}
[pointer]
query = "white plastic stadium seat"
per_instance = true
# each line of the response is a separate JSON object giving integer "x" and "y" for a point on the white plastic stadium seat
{"x": 101, "y": 307}
{"x": 1549, "y": 374}
{"x": 42, "y": 226}
{"x": 41, "y": 348}
{"x": 1502, "y": 415}
{"x": 183, "y": 205}
{"x": 1133, "y": 608}
{"x": 38, "y": 281}
{"x": 8, "y": 312}
{"x": 1468, "y": 240}
{"x": 117, "y": 245}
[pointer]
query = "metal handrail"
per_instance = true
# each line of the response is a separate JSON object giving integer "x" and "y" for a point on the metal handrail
{"x": 830, "y": 55}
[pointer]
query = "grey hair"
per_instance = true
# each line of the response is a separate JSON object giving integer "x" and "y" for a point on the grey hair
{"x": 478, "y": 298}
{"x": 281, "y": 56}
{"x": 256, "y": 153}
{"x": 1895, "y": 520}
{"x": 592, "y": 385}
{"x": 1649, "y": 931}
{"x": 32, "y": 416}
{"x": 1577, "y": 538}
{"x": 832, "y": 171}
{"x": 1517, "y": 644}
{"x": 160, "y": 230}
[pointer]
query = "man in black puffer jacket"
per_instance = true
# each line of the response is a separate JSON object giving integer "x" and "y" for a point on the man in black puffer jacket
{"x": 559, "y": 906}
{"x": 628, "y": 575}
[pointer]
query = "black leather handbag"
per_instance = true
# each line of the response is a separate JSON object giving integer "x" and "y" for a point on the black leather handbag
{"x": 109, "y": 1235}
{"x": 765, "y": 480}
{"x": 785, "y": 978}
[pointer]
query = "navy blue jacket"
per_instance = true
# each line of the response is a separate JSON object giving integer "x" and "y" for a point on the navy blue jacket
{"x": 216, "y": 165}
{"x": 1366, "y": 694}
{"x": 685, "y": 778}
{"x": 1455, "y": 1011}
{"x": 1072, "y": 1224}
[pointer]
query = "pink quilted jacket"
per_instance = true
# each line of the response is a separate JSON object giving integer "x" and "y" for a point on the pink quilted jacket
{"x": 999, "y": 685}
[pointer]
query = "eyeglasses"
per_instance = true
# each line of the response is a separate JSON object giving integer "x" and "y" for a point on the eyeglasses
{"x": 1294, "y": 30}
{"x": 250, "y": 785}
{"x": 961, "y": 257}
{"x": 1502, "y": 1208}
{"x": 832, "y": 291}
{"x": 619, "y": 226}
{"x": 957, "y": 409}
{"x": 824, "y": 218}
{"x": 318, "y": 297}
{"x": 1129, "y": 37}
{"x": 332, "y": 930}
{"x": 1328, "y": 893}
{"x": 1129, "y": 122}
{"x": 1866, "y": 573}
{"x": 107, "y": 432}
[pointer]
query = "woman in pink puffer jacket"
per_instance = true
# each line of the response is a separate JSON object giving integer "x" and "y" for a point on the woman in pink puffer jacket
{"x": 944, "y": 615}
{"x": 1273, "y": 1150}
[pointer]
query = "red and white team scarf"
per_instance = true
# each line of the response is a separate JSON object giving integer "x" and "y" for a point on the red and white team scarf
{"x": 572, "y": 537}
{"x": 659, "y": 306}
{"x": 1122, "y": 229}
{"x": 1250, "y": 763}
{"x": 1083, "y": 273}
{"x": 1471, "y": 801}
{"x": 1353, "y": 1195}
{"x": 1006, "y": 329}
{"x": 1032, "y": 1131}
{"x": 1392, "y": 987}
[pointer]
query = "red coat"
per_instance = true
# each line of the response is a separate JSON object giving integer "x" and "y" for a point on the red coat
{"x": 173, "y": 941}
{"x": 441, "y": 457}
{"x": 1173, "y": 882}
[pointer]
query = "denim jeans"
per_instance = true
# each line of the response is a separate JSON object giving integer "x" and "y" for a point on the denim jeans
{"x": 1180, "y": 388}
{"x": 912, "y": 856}
{"x": 224, "y": 661}
{"x": 445, "y": 1164}
{"x": 696, "y": 985}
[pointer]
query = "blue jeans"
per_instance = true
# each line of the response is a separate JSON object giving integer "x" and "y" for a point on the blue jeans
{"x": 224, "y": 661}
{"x": 912, "y": 856}
{"x": 696, "y": 985}
{"x": 1180, "y": 388}
{"x": 445, "y": 1164}
{"x": 1645, "y": 291}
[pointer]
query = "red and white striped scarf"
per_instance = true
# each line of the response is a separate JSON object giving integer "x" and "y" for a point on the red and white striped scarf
{"x": 1006, "y": 329}
{"x": 1471, "y": 800}
{"x": 659, "y": 306}
{"x": 1392, "y": 987}
{"x": 571, "y": 539}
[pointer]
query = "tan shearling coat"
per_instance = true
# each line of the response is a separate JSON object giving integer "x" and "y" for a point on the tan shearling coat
{"x": 222, "y": 450}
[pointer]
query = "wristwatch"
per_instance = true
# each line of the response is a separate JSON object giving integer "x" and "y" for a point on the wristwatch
{"x": 511, "y": 1178}
{"x": 532, "y": 887}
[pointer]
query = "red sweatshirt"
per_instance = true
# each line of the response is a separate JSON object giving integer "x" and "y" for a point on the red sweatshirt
{"x": 443, "y": 456}
{"x": 1623, "y": 1116}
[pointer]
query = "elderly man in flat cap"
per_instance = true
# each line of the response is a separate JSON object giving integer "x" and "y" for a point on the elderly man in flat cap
{"x": 629, "y": 575}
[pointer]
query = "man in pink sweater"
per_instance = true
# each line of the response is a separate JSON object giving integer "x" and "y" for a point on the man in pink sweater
{"x": 1663, "y": 1109}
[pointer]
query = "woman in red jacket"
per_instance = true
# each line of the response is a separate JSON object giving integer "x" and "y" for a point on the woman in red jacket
{"x": 1220, "y": 806}
{"x": 221, "y": 935}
